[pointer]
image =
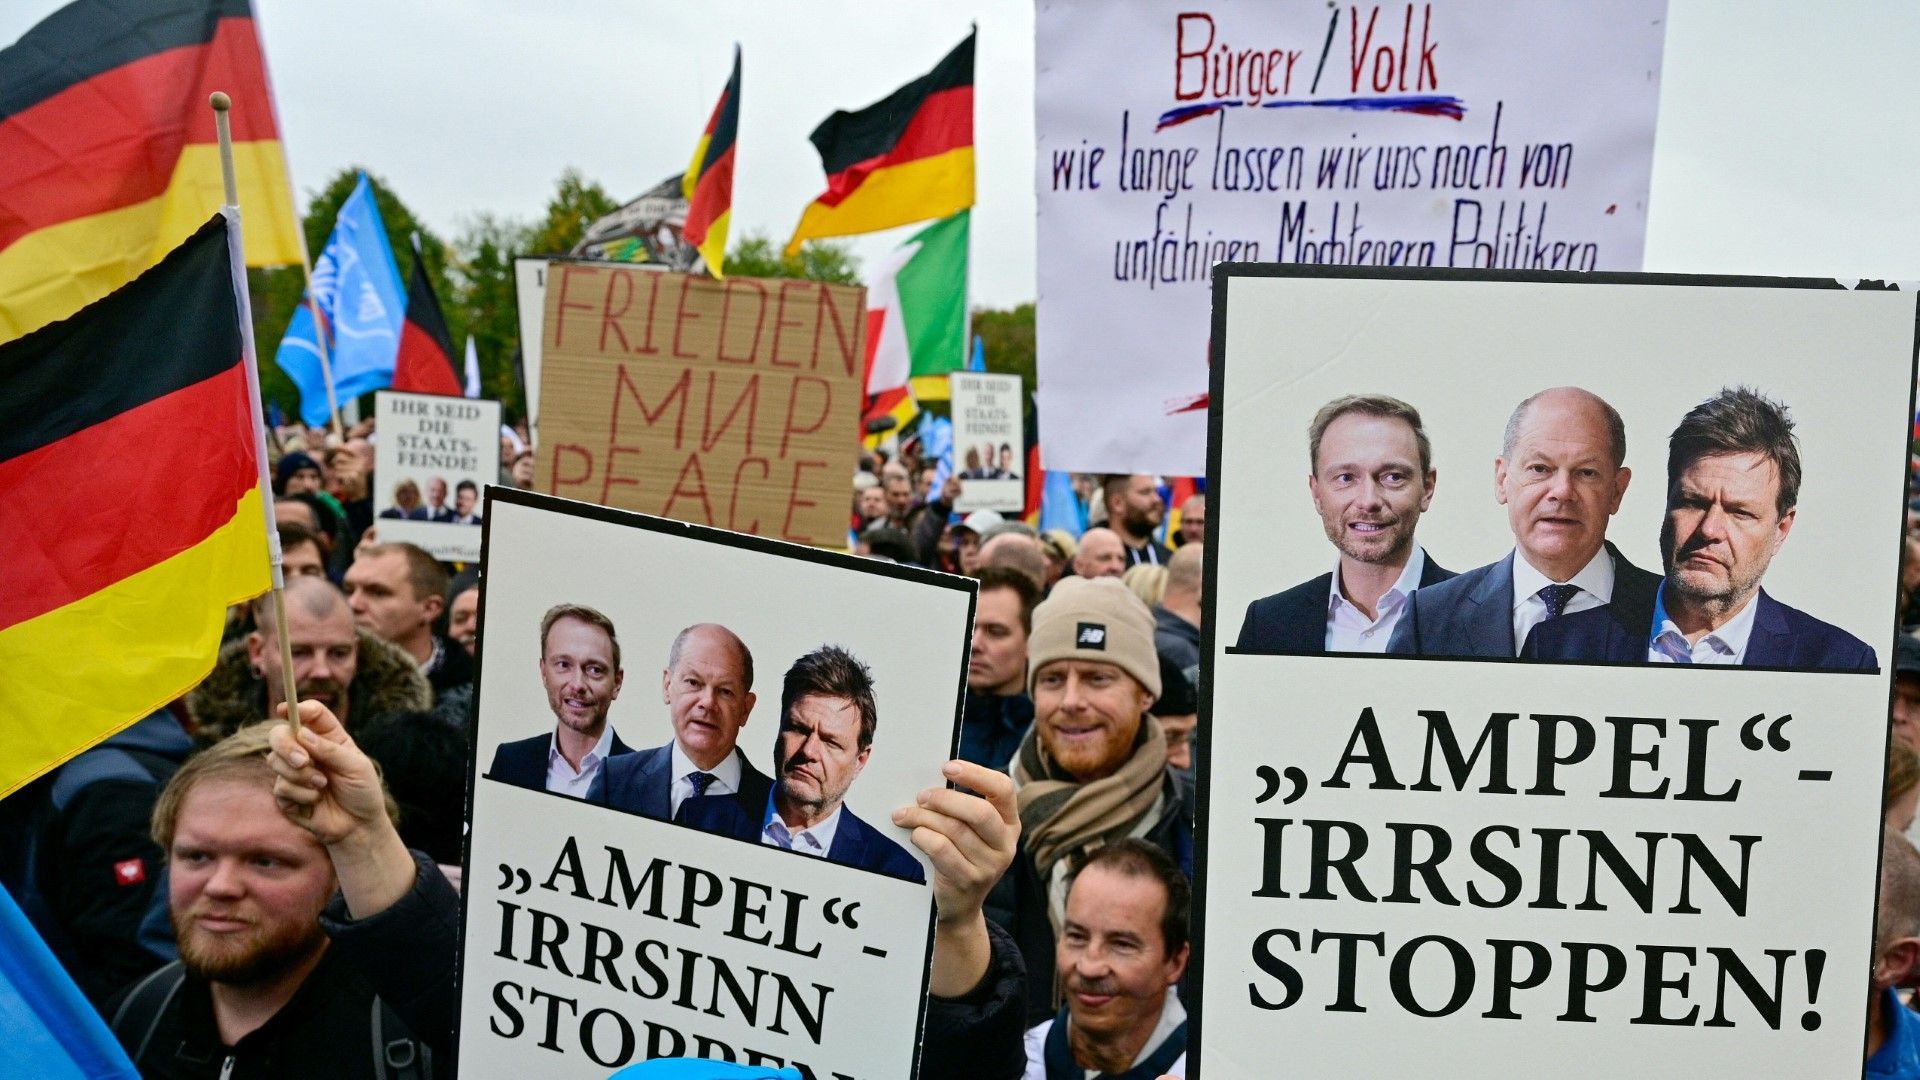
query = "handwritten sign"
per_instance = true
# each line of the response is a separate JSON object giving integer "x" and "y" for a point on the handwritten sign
{"x": 1172, "y": 136}
{"x": 734, "y": 403}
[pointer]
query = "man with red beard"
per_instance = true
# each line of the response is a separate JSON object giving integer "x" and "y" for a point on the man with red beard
{"x": 1371, "y": 478}
{"x": 1123, "y": 945}
{"x": 1561, "y": 475}
{"x": 273, "y": 978}
{"x": 1093, "y": 768}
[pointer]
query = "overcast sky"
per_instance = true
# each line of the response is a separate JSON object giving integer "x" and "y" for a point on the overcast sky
{"x": 1789, "y": 140}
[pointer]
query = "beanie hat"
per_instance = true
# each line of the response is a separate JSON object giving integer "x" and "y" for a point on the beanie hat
{"x": 291, "y": 463}
{"x": 1096, "y": 619}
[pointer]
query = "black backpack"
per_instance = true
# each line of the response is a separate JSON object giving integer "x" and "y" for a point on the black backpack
{"x": 402, "y": 1058}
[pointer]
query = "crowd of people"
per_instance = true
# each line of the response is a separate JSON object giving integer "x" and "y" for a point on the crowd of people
{"x": 240, "y": 899}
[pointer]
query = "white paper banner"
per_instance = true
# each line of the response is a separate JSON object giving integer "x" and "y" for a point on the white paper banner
{"x": 1514, "y": 134}
{"x": 433, "y": 459}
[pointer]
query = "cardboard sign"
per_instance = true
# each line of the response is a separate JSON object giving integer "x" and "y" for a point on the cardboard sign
{"x": 989, "y": 441}
{"x": 1511, "y": 134}
{"x": 734, "y": 404}
{"x": 433, "y": 459}
{"x": 616, "y": 914}
{"x": 1433, "y": 856}
{"x": 530, "y": 301}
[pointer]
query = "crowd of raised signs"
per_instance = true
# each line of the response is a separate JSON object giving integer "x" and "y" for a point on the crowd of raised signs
{"x": 237, "y": 900}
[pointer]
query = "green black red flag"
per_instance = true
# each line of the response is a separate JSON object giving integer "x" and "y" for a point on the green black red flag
{"x": 425, "y": 363}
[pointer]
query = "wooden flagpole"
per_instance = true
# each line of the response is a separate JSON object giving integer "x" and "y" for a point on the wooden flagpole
{"x": 290, "y": 691}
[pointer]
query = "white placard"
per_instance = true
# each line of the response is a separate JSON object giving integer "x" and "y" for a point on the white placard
{"x": 530, "y": 301}
{"x": 1512, "y": 134}
{"x": 1640, "y": 870}
{"x": 714, "y": 946}
{"x": 989, "y": 441}
{"x": 433, "y": 460}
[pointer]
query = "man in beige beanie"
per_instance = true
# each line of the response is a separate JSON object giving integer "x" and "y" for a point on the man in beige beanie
{"x": 1094, "y": 767}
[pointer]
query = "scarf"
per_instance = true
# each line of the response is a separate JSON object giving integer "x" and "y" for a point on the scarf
{"x": 1063, "y": 820}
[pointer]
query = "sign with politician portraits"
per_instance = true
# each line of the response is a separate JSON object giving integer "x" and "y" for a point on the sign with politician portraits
{"x": 989, "y": 441}
{"x": 688, "y": 748}
{"x": 1550, "y": 667}
{"x": 433, "y": 459}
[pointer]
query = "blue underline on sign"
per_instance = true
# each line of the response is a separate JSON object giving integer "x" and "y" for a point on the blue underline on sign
{"x": 1420, "y": 104}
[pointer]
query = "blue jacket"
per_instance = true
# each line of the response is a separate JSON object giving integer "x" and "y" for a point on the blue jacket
{"x": 855, "y": 843}
{"x": 1295, "y": 622}
{"x": 523, "y": 763}
{"x": 642, "y": 783}
{"x": 1899, "y": 1056}
{"x": 1782, "y": 637}
{"x": 1472, "y": 615}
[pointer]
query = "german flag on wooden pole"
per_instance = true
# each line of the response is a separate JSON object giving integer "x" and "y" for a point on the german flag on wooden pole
{"x": 131, "y": 511}
{"x": 908, "y": 157}
{"x": 110, "y": 156}
{"x": 708, "y": 183}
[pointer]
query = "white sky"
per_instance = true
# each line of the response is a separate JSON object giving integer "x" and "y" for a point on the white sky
{"x": 1789, "y": 138}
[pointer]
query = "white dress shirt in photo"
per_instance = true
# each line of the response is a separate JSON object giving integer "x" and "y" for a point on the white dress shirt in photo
{"x": 1595, "y": 582}
{"x": 726, "y": 778}
{"x": 564, "y": 778}
{"x": 1727, "y": 645}
{"x": 1349, "y": 629}
{"x": 815, "y": 841}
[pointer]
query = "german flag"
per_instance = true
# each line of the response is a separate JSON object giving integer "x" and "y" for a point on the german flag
{"x": 130, "y": 505}
{"x": 905, "y": 158}
{"x": 424, "y": 364}
{"x": 109, "y": 149}
{"x": 708, "y": 183}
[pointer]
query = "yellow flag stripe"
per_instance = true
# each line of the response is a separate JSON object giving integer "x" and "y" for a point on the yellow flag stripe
{"x": 53, "y": 272}
{"x": 714, "y": 248}
{"x": 931, "y": 187}
{"x": 77, "y": 675}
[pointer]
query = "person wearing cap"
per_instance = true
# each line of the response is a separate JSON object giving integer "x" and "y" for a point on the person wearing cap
{"x": 1371, "y": 477}
{"x": 297, "y": 472}
{"x": 966, "y": 538}
{"x": 1905, "y": 713}
{"x": 1094, "y": 767}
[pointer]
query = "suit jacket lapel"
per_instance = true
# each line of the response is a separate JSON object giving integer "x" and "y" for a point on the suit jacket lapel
{"x": 656, "y": 782}
{"x": 1306, "y": 633}
{"x": 1490, "y": 623}
{"x": 1770, "y": 644}
{"x": 849, "y": 840}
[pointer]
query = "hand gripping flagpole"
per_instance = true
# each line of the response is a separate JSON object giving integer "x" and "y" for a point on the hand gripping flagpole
{"x": 249, "y": 360}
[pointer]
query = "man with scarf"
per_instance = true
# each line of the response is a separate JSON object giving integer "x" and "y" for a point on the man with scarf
{"x": 1093, "y": 769}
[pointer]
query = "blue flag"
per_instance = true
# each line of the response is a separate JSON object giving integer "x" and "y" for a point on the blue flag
{"x": 357, "y": 287}
{"x": 1060, "y": 505}
{"x": 936, "y": 445}
{"x": 51, "y": 1031}
{"x": 978, "y": 361}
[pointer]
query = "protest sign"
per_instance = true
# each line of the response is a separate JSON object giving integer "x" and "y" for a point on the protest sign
{"x": 731, "y": 403}
{"x": 989, "y": 441}
{"x": 645, "y": 919}
{"x": 1580, "y": 862}
{"x": 530, "y": 302}
{"x": 1171, "y": 136}
{"x": 433, "y": 459}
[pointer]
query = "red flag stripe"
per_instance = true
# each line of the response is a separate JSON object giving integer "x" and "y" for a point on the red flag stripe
{"x": 421, "y": 366}
{"x": 113, "y": 140}
{"x": 174, "y": 466}
{"x": 944, "y": 123}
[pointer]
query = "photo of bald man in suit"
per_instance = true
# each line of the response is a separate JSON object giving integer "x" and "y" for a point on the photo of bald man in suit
{"x": 1561, "y": 475}
{"x": 1733, "y": 489}
{"x": 707, "y": 687}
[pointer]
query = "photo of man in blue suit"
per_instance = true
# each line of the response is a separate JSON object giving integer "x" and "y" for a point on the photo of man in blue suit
{"x": 1733, "y": 487}
{"x": 707, "y": 687}
{"x": 1371, "y": 476}
{"x": 827, "y": 722}
{"x": 1561, "y": 475}
{"x": 580, "y": 669}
